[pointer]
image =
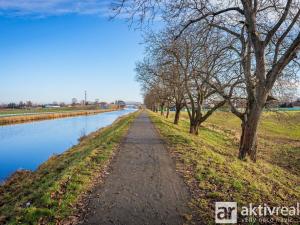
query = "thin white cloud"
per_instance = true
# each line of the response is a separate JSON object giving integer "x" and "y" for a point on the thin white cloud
{"x": 53, "y": 7}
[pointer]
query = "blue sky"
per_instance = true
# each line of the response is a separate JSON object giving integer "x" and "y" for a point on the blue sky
{"x": 54, "y": 50}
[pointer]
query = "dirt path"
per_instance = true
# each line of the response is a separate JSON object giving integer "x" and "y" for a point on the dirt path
{"x": 143, "y": 187}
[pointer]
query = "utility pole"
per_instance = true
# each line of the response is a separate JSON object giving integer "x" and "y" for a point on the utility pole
{"x": 85, "y": 102}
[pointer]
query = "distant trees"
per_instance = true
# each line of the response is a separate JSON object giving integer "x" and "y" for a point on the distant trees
{"x": 151, "y": 101}
{"x": 161, "y": 78}
{"x": 12, "y": 105}
{"x": 20, "y": 105}
{"x": 260, "y": 41}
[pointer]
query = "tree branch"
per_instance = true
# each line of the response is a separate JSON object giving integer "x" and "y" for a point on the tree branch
{"x": 207, "y": 15}
{"x": 278, "y": 24}
{"x": 289, "y": 55}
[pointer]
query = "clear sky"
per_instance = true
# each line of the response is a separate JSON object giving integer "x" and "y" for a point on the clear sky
{"x": 54, "y": 50}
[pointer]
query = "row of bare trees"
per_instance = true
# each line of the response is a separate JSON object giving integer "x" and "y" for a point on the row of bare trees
{"x": 185, "y": 72}
{"x": 216, "y": 53}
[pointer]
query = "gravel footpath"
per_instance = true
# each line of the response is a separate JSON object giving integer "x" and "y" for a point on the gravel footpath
{"x": 143, "y": 186}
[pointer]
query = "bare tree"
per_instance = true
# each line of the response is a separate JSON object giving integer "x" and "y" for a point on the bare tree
{"x": 162, "y": 71}
{"x": 203, "y": 60}
{"x": 173, "y": 76}
{"x": 149, "y": 75}
{"x": 267, "y": 40}
{"x": 181, "y": 71}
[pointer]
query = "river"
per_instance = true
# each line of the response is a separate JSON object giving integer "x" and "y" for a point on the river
{"x": 27, "y": 145}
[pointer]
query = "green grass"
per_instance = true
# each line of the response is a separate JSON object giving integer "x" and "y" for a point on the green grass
{"x": 212, "y": 169}
{"x": 46, "y": 110}
{"x": 50, "y": 194}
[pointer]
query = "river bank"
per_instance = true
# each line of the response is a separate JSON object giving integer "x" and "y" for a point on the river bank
{"x": 50, "y": 194}
{"x": 6, "y": 120}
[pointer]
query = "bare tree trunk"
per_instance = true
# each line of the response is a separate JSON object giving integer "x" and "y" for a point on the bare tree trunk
{"x": 194, "y": 127}
{"x": 248, "y": 142}
{"x": 177, "y": 114}
{"x": 162, "y": 109}
{"x": 168, "y": 112}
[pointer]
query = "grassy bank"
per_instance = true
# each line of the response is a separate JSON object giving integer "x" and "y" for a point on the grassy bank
{"x": 50, "y": 194}
{"x": 213, "y": 172}
{"x": 5, "y": 111}
{"x": 48, "y": 115}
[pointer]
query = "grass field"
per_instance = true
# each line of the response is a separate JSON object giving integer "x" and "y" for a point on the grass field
{"x": 213, "y": 172}
{"x": 50, "y": 194}
{"x": 45, "y": 110}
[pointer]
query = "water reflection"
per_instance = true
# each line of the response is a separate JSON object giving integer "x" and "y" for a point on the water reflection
{"x": 26, "y": 146}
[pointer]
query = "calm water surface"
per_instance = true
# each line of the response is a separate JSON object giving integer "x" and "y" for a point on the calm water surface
{"x": 27, "y": 145}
